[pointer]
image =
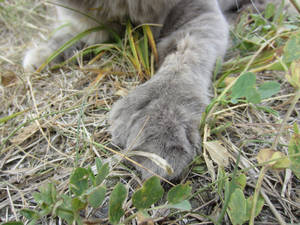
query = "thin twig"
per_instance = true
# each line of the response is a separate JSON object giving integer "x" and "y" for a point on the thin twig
{"x": 272, "y": 207}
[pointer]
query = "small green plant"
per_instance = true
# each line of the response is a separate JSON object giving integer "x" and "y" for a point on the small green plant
{"x": 245, "y": 87}
{"x": 88, "y": 190}
{"x": 239, "y": 207}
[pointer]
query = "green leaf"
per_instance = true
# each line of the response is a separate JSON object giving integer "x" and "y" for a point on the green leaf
{"x": 267, "y": 89}
{"x": 47, "y": 194}
{"x": 77, "y": 204}
{"x": 270, "y": 11}
{"x": 116, "y": 201}
{"x": 149, "y": 194}
{"x": 96, "y": 197}
{"x": 179, "y": 193}
{"x": 245, "y": 81}
{"x": 30, "y": 214}
{"x": 245, "y": 86}
{"x": 65, "y": 210}
{"x": 32, "y": 222}
{"x": 241, "y": 181}
{"x": 102, "y": 173}
{"x": 91, "y": 175}
{"x": 199, "y": 169}
{"x": 252, "y": 96}
{"x": 65, "y": 214}
{"x": 79, "y": 181}
{"x": 237, "y": 207}
{"x": 98, "y": 164}
{"x": 292, "y": 49}
{"x": 259, "y": 205}
{"x": 184, "y": 205}
{"x": 294, "y": 148}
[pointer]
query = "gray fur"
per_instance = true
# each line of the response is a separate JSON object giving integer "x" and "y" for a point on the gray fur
{"x": 167, "y": 108}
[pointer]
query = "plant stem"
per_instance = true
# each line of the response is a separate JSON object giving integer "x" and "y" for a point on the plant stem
{"x": 256, "y": 193}
{"x": 287, "y": 116}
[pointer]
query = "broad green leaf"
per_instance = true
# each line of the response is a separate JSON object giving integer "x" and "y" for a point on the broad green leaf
{"x": 267, "y": 89}
{"x": 65, "y": 214}
{"x": 292, "y": 49}
{"x": 67, "y": 201}
{"x": 245, "y": 81}
{"x": 30, "y": 214}
{"x": 149, "y": 194}
{"x": 77, "y": 204}
{"x": 241, "y": 181}
{"x": 294, "y": 148}
{"x": 245, "y": 86}
{"x": 79, "y": 181}
{"x": 179, "y": 193}
{"x": 259, "y": 205}
{"x": 199, "y": 169}
{"x": 252, "y": 96}
{"x": 98, "y": 164}
{"x": 96, "y": 197}
{"x": 46, "y": 195}
{"x": 102, "y": 174}
{"x": 65, "y": 210}
{"x": 237, "y": 207}
{"x": 116, "y": 201}
{"x": 270, "y": 11}
{"x": 184, "y": 205}
{"x": 91, "y": 175}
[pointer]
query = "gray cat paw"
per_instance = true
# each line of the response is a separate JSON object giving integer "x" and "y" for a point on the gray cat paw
{"x": 161, "y": 119}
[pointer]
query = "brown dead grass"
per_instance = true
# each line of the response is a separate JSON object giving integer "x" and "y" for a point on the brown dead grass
{"x": 64, "y": 110}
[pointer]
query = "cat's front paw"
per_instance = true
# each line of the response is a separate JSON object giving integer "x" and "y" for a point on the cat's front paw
{"x": 157, "y": 119}
{"x": 35, "y": 57}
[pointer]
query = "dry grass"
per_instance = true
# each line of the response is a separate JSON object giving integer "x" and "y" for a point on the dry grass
{"x": 61, "y": 112}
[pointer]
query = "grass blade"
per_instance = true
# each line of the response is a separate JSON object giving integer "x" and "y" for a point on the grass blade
{"x": 67, "y": 45}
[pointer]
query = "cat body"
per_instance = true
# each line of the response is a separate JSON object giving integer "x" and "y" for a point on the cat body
{"x": 162, "y": 115}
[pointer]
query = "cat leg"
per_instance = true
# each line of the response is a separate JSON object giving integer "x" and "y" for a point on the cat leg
{"x": 34, "y": 57}
{"x": 162, "y": 116}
